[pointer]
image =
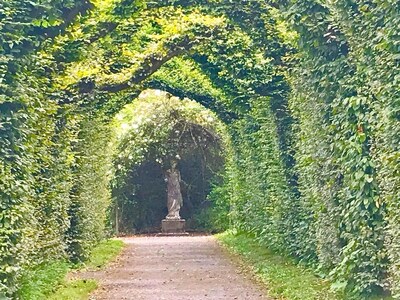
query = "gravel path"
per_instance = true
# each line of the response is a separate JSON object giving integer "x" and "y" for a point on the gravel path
{"x": 171, "y": 268}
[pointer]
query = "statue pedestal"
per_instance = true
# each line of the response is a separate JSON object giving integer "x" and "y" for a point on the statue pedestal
{"x": 173, "y": 227}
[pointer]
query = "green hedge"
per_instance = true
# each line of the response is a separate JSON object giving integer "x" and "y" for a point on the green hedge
{"x": 342, "y": 214}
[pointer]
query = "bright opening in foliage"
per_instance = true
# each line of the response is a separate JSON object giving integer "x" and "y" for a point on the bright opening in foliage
{"x": 153, "y": 131}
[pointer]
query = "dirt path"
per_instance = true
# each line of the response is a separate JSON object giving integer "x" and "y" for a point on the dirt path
{"x": 171, "y": 268}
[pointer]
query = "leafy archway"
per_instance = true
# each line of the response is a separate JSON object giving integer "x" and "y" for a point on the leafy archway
{"x": 158, "y": 134}
{"x": 308, "y": 88}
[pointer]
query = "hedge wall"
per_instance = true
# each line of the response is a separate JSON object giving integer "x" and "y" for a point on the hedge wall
{"x": 344, "y": 100}
{"x": 52, "y": 206}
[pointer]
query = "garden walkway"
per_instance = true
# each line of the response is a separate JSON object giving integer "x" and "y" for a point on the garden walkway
{"x": 171, "y": 268}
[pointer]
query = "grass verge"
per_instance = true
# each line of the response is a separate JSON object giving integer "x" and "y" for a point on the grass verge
{"x": 49, "y": 281}
{"x": 40, "y": 282}
{"x": 282, "y": 276}
{"x": 74, "y": 290}
{"x": 103, "y": 253}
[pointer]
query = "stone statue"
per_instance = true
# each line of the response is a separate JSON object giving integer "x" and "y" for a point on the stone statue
{"x": 175, "y": 201}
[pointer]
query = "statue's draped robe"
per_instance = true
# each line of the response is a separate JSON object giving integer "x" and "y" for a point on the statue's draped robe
{"x": 175, "y": 200}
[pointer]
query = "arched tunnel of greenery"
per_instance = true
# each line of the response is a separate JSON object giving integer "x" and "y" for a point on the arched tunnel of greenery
{"x": 150, "y": 132}
{"x": 308, "y": 91}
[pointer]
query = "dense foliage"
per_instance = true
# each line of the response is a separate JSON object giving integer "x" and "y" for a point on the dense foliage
{"x": 152, "y": 132}
{"x": 50, "y": 165}
{"x": 347, "y": 137}
{"x": 309, "y": 90}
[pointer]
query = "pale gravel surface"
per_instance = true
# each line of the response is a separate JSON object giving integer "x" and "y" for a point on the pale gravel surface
{"x": 171, "y": 268}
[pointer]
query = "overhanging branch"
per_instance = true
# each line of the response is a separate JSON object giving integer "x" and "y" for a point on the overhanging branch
{"x": 150, "y": 64}
{"x": 155, "y": 61}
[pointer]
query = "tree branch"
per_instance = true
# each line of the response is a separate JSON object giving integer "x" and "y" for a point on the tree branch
{"x": 151, "y": 64}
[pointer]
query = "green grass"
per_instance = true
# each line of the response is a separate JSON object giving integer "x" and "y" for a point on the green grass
{"x": 74, "y": 290}
{"x": 43, "y": 280}
{"x": 283, "y": 278}
{"x": 49, "y": 281}
{"x": 103, "y": 253}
